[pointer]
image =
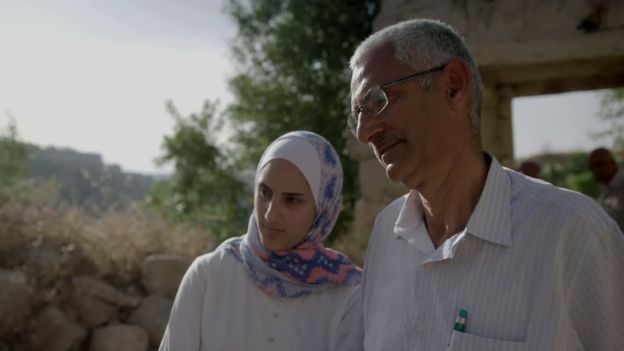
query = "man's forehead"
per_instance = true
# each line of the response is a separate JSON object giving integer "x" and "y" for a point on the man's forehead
{"x": 358, "y": 80}
{"x": 374, "y": 60}
{"x": 375, "y": 67}
{"x": 364, "y": 73}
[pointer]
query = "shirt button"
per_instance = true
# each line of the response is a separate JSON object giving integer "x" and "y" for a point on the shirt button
{"x": 270, "y": 339}
{"x": 275, "y": 315}
{"x": 419, "y": 327}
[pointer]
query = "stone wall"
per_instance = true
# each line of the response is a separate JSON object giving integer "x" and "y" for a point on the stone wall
{"x": 511, "y": 33}
{"x": 46, "y": 307}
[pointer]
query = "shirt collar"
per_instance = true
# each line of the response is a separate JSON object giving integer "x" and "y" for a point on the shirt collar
{"x": 410, "y": 225}
{"x": 490, "y": 220}
{"x": 410, "y": 216}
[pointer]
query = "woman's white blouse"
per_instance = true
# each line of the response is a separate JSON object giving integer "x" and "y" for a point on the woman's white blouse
{"x": 217, "y": 307}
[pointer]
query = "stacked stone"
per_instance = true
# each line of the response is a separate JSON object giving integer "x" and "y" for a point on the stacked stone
{"x": 84, "y": 312}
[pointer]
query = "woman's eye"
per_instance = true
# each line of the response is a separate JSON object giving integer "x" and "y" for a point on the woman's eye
{"x": 264, "y": 192}
{"x": 293, "y": 200}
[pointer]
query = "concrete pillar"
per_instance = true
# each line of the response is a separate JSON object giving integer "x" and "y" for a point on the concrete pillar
{"x": 496, "y": 125}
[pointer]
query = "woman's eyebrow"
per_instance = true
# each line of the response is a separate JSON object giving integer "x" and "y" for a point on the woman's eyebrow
{"x": 262, "y": 185}
{"x": 294, "y": 194}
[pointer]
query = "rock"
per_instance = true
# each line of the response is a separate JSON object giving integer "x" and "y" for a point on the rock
{"x": 119, "y": 338}
{"x": 51, "y": 330}
{"x": 15, "y": 299}
{"x": 45, "y": 265}
{"x": 90, "y": 311}
{"x": 153, "y": 315}
{"x": 162, "y": 274}
{"x": 105, "y": 292}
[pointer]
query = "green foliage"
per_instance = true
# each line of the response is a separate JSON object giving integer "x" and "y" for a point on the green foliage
{"x": 13, "y": 155}
{"x": 292, "y": 58}
{"x": 13, "y": 161}
{"x": 204, "y": 188}
{"x": 582, "y": 182}
{"x": 612, "y": 112}
{"x": 571, "y": 173}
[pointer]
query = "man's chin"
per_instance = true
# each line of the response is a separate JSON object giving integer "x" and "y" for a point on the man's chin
{"x": 392, "y": 172}
{"x": 402, "y": 176}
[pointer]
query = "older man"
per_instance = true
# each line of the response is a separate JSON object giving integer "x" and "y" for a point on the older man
{"x": 610, "y": 179}
{"x": 475, "y": 256}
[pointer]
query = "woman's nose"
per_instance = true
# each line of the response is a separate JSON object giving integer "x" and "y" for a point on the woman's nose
{"x": 273, "y": 212}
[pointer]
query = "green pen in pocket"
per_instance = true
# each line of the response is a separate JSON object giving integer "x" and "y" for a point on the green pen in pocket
{"x": 461, "y": 321}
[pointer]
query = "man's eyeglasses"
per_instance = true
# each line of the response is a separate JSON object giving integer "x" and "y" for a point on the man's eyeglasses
{"x": 375, "y": 100}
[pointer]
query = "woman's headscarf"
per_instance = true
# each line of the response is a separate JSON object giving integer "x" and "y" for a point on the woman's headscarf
{"x": 309, "y": 266}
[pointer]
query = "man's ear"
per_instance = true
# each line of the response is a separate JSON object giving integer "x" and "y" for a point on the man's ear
{"x": 457, "y": 81}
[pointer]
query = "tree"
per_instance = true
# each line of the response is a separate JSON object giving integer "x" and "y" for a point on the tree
{"x": 205, "y": 188}
{"x": 292, "y": 57}
{"x": 13, "y": 155}
{"x": 612, "y": 112}
{"x": 571, "y": 172}
{"x": 13, "y": 162}
{"x": 16, "y": 179}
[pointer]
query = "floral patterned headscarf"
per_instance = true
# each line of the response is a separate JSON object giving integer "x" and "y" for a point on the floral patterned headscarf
{"x": 309, "y": 266}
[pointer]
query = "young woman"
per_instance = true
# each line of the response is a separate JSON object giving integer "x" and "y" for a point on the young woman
{"x": 276, "y": 287}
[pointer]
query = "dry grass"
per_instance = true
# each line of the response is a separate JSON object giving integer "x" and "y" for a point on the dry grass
{"x": 112, "y": 245}
{"x": 52, "y": 242}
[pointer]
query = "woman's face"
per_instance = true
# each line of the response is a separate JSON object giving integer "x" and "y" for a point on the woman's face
{"x": 283, "y": 204}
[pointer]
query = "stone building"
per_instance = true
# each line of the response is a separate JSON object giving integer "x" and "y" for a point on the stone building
{"x": 523, "y": 48}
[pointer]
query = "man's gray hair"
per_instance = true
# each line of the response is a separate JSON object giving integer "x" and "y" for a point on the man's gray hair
{"x": 423, "y": 44}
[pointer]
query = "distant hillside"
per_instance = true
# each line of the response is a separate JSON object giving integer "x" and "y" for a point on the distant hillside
{"x": 85, "y": 180}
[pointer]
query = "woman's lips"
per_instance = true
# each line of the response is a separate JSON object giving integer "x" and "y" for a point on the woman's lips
{"x": 274, "y": 232}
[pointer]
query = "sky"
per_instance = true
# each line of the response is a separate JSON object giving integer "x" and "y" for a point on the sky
{"x": 556, "y": 123}
{"x": 94, "y": 76}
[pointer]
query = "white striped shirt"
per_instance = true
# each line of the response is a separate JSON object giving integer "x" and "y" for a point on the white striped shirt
{"x": 537, "y": 268}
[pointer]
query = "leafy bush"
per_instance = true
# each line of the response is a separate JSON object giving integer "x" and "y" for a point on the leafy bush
{"x": 205, "y": 189}
{"x": 13, "y": 161}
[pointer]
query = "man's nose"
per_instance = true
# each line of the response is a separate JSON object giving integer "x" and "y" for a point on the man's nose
{"x": 367, "y": 126}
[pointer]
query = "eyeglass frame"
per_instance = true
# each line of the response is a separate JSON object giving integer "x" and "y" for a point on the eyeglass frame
{"x": 353, "y": 120}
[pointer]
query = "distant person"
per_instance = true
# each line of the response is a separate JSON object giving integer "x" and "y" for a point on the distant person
{"x": 276, "y": 287}
{"x": 531, "y": 168}
{"x": 475, "y": 256}
{"x": 610, "y": 179}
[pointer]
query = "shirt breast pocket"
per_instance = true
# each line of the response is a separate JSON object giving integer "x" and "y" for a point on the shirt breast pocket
{"x": 464, "y": 342}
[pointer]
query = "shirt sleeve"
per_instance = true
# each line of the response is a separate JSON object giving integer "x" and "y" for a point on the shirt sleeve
{"x": 349, "y": 335}
{"x": 185, "y": 322}
{"x": 596, "y": 296}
